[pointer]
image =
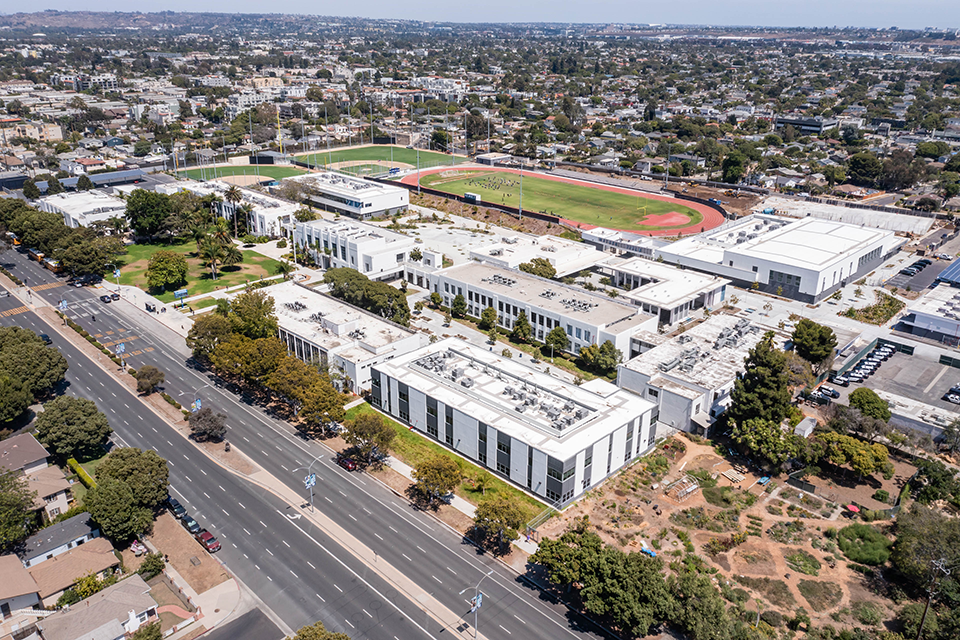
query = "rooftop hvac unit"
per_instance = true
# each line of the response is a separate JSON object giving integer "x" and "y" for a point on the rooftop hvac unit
{"x": 684, "y": 339}
{"x": 581, "y": 413}
{"x": 669, "y": 364}
{"x": 467, "y": 382}
{"x": 568, "y": 406}
{"x": 520, "y": 408}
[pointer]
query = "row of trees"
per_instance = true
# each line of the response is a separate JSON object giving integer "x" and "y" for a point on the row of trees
{"x": 81, "y": 251}
{"x": 28, "y": 370}
{"x": 376, "y": 297}
{"x": 131, "y": 485}
{"x": 239, "y": 340}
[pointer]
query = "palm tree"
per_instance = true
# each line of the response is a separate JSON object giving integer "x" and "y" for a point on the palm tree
{"x": 221, "y": 232}
{"x": 231, "y": 255}
{"x": 246, "y": 210}
{"x": 233, "y": 196}
{"x": 213, "y": 252}
{"x": 284, "y": 268}
{"x": 197, "y": 232}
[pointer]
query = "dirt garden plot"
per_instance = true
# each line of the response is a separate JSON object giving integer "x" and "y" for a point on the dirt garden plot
{"x": 754, "y": 538}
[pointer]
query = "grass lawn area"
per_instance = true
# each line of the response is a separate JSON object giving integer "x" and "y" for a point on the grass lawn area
{"x": 382, "y": 152}
{"x": 265, "y": 170}
{"x": 576, "y": 202}
{"x": 411, "y": 447}
{"x": 199, "y": 278}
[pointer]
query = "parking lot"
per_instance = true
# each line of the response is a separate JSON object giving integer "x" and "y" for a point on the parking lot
{"x": 911, "y": 377}
{"x": 922, "y": 280}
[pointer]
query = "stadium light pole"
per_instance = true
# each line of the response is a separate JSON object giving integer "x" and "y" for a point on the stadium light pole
{"x": 521, "y": 188}
{"x": 418, "y": 170}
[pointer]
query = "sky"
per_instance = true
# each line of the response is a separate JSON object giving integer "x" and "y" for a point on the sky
{"x": 912, "y": 14}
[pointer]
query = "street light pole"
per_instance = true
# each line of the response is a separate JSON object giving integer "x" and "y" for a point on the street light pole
{"x": 116, "y": 274}
{"x": 310, "y": 480}
{"x": 477, "y": 601}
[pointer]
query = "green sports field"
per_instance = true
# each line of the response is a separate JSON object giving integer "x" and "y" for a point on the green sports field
{"x": 271, "y": 171}
{"x": 575, "y": 202}
{"x": 385, "y": 153}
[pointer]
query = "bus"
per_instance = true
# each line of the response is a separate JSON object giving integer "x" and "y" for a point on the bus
{"x": 14, "y": 238}
{"x": 33, "y": 254}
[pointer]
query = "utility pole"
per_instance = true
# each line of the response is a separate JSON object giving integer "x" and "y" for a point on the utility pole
{"x": 938, "y": 571}
{"x": 310, "y": 480}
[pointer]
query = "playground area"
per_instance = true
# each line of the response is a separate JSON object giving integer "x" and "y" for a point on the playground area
{"x": 580, "y": 203}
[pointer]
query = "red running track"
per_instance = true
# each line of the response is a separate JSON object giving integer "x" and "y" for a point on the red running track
{"x": 711, "y": 217}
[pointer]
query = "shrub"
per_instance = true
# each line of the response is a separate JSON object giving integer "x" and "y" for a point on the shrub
{"x": 152, "y": 565}
{"x": 863, "y": 544}
{"x": 282, "y": 244}
{"x": 803, "y": 562}
{"x": 881, "y": 495}
{"x": 68, "y": 598}
{"x": 867, "y": 613}
{"x": 772, "y": 618}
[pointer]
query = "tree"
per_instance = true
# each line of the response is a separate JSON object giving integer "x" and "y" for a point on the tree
{"x": 54, "y": 186}
{"x": 30, "y": 190}
{"x": 285, "y": 268}
{"x": 147, "y": 212}
{"x": 212, "y": 252}
{"x": 205, "y": 425}
{"x": 459, "y": 306}
{"x": 166, "y": 268}
{"x": 80, "y": 254}
{"x": 252, "y": 315}
{"x": 234, "y": 196}
{"x": 602, "y": 359}
{"x": 144, "y": 471}
{"x": 814, "y": 343}
{"x": 232, "y": 256}
{"x": 767, "y": 439}
{"x": 24, "y": 356}
{"x": 14, "y": 397}
{"x": 16, "y": 509}
{"x": 488, "y": 319}
{"x": 500, "y": 517}
{"x": 317, "y": 631}
{"x": 369, "y": 433}
{"x": 441, "y": 140}
{"x": 864, "y": 169}
{"x": 437, "y": 476}
{"x": 522, "y": 330}
{"x": 557, "y": 339}
{"x": 763, "y": 390}
{"x": 924, "y": 535}
{"x": 539, "y": 267}
{"x": 148, "y": 377}
{"x": 870, "y": 404}
{"x": 84, "y": 183}
{"x": 141, "y": 148}
{"x": 70, "y": 427}
{"x": 292, "y": 378}
{"x": 733, "y": 167}
{"x": 207, "y": 332}
{"x": 322, "y": 404}
{"x": 415, "y": 255}
{"x": 112, "y": 506}
{"x": 436, "y": 300}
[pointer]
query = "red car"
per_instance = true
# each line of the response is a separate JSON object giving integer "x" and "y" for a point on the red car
{"x": 206, "y": 538}
{"x": 346, "y": 463}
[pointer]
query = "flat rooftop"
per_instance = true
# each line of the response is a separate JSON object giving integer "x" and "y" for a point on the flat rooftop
{"x": 554, "y": 416}
{"x": 669, "y": 286}
{"x": 345, "y": 186}
{"x": 330, "y": 323}
{"x": 838, "y": 213}
{"x": 549, "y": 295}
{"x": 85, "y": 202}
{"x": 708, "y": 355}
{"x": 354, "y": 230}
{"x": 810, "y": 243}
{"x": 943, "y": 301}
{"x": 566, "y": 256}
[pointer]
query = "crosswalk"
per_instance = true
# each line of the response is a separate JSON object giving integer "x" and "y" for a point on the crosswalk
{"x": 49, "y": 285}
{"x": 12, "y": 312}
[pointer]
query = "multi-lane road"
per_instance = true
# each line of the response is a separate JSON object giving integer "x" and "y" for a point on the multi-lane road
{"x": 298, "y": 571}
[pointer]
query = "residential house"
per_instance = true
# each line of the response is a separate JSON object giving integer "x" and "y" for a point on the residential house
{"x": 57, "y": 539}
{"x": 111, "y": 614}
{"x": 24, "y": 454}
{"x": 56, "y": 575}
{"x": 17, "y": 589}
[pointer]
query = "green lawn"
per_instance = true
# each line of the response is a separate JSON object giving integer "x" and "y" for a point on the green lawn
{"x": 199, "y": 278}
{"x": 411, "y": 447}
{"x": 277, "y": 172}
{"x": 382, "y": 152}
{"x": 575, "y": 202}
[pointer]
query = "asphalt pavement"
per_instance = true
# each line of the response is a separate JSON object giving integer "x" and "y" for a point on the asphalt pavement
{"x": 437, "y": 558}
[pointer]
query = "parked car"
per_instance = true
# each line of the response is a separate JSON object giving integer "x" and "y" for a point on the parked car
{"x": 347, "y": 463}
{"x": 952, "y": 398}
{"x": 945, "y": 256}
{"x": 209, "y": 542}
{"x": 908, "y": 272}
{"x": 925, "y": 262}
{"x": 853, "y": 376}
{"x": 105, "y": 299}
{"x": 190, "y": 524}
{"x": 830, "y": 393}
{"x": 176, "y": 508}
{"x": 114, "y": 296}
{"x": 840, "y": 381}
{"x": 46, "y": 339}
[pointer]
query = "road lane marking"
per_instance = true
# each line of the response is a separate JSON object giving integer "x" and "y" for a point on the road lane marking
{"x": 221, "y": 488}
{"x": 270, "y": 552}
{"x": 378, "y": 536}
{"x": 261, "y": 522}
{"x": 225, "y": 513}
{"x": 505, "y": 629}
{"x": 311, "y": 565}
{"x": 338, "y": 589}
{"x": 407, "y": 557}
{"x": 350, "y": 623}
{"x": 284, "y": 468}
{"x": 285, "y": 542}
{"x": 365, "y": 611}
{"x": 351, "y": 517}
{"x": 519, "y": 618}
{"x": 203, "y": 472}
{"x": 421, "y": 549}
{"x": 294, "y": 575}
{"x": 208, "y": 497}
{"x": 187, "y": 477}
{"x": 319, "y": 596}
{"x": 241, "y": 505}
{"x": 451, "y": 571}
{"x": 328, "y": 499}
{"x": 271, "y": 580}
{"x": 246, "y": 532}
{"x": 437, "y": 579}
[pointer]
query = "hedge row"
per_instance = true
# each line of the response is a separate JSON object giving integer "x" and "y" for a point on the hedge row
{"x": 85, "y": 478}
